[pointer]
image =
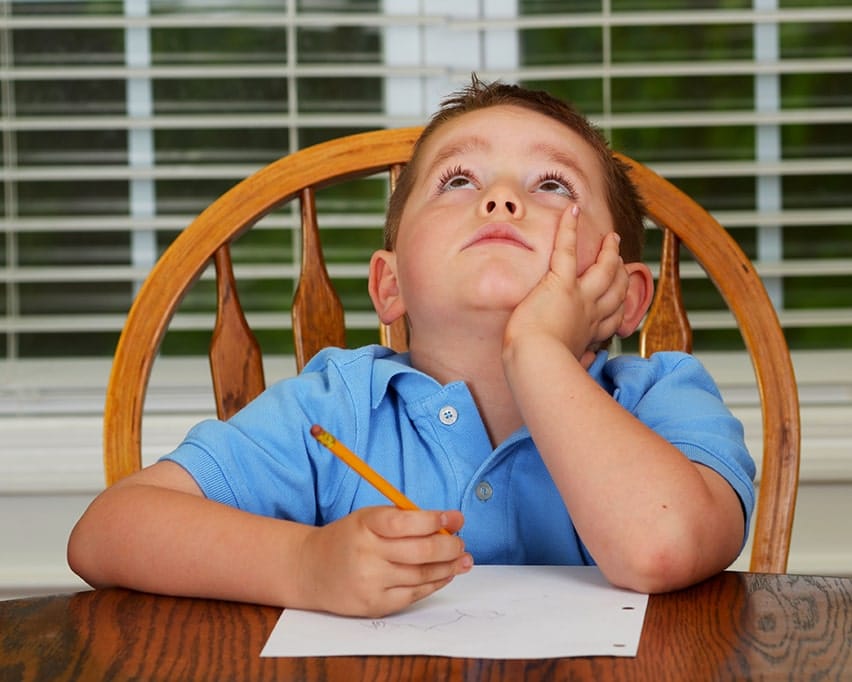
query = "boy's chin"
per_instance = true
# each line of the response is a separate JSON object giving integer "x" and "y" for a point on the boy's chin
{"x": 496, "y": 293}
{"x": 502, "y": 308}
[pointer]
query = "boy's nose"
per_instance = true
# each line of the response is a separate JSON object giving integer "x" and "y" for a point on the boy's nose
{"x": 502, "y": 198}
{"x": 511, "y": 206}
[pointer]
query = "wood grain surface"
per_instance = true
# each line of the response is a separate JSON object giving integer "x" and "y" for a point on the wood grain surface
{"x": 735, "y": 626}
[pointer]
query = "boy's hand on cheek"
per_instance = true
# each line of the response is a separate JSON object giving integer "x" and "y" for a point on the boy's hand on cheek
{"x": 378, "y": 560}
{"x": 581, "y": 310}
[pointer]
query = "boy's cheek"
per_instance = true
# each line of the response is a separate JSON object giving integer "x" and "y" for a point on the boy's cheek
{"x": 590, "y": 241}
{"x": 586, "y": 257}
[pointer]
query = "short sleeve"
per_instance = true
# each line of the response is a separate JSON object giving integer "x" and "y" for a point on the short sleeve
{"x": 674, "y": 395}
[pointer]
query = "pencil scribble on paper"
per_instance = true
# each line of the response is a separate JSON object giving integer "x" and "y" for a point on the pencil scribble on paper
{"x": 491, "y": 612}
{"x": 431, "y": 621}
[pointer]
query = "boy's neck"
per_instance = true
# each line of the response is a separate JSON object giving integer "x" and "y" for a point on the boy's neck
{"x": 475, "y": 359}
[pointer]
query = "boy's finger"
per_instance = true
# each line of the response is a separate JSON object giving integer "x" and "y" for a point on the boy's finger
{"x": 412, "y": 575}
{"x": 609, "y": 252}
{"x": 422, "y": 551}
{"x": 608, "y": 276}
{"x": 563, "y": 260}
{"x": 391, "y": 522}
{"x": 451, "y": 520}
{"x": 404, "y": 595}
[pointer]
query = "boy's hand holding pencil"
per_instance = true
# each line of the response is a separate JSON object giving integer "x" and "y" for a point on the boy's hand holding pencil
{"x": 364, "y": 470}
{"x": 378, "y": 560}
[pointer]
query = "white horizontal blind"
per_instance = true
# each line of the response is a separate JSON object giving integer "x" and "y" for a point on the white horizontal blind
{"x": 122, "y": 120}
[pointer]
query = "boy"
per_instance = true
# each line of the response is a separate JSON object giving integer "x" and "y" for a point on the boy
{"x": 512, "y": 249}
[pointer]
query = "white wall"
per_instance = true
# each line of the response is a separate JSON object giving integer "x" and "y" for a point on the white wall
{"x": 50, "y": 466}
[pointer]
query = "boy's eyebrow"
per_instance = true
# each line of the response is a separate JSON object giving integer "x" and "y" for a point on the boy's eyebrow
{"x": 471, "y": 144}
{"x": 477, "y": 143}
{"x": 563, "y": 159}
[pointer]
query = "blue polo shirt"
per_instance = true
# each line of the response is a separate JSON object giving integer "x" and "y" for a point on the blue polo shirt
{"x": 429, "y": 441}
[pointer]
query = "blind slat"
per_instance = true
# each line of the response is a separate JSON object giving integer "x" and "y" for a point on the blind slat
{"x": 730, "y": 219}
{"x": 806, "y": 267}
{"x": 651, "y": 18}
{"x": 700, "y": 320}
{"x": 698, "y": 169}
{"x": 260, "y": 19}
{"x": 354, "y": 70}
{"x": 685, "y": 119}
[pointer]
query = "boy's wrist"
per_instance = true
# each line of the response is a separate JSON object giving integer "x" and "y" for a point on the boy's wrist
{"x": 542, "y": 342}
{"x": 530, "y": 350}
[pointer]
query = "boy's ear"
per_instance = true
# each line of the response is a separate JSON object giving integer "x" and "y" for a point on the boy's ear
{"x": 384, "y": 287}
{"x": 640, "y": 293}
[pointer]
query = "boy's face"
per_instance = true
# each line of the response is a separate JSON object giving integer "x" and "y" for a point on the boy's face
{"x": 478, "y": 229}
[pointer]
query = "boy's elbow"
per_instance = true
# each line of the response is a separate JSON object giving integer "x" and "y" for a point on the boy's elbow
{"x": 83, "y": 556}
{"x": 665, "y": 564}
{"x": 78, "y": 557}
{"x": 658, "y": 569}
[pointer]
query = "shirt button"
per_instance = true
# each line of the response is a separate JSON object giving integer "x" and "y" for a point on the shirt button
{"x": 484, "y": 491}
{"x": 448, "y": 415}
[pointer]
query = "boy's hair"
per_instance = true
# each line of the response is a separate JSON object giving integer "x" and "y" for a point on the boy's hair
{"x": 623, "y": 199}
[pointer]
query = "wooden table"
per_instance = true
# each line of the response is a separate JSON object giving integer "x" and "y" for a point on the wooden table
{"x": 736, "y": 626}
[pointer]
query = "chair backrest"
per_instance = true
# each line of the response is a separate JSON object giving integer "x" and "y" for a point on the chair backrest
{"x": 317, "y": 312}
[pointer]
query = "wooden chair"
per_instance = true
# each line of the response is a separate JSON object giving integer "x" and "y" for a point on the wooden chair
{"x": 318, "y": 315}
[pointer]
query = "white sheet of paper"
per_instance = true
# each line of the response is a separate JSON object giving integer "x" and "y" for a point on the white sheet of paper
{"x": 490, "y": 612}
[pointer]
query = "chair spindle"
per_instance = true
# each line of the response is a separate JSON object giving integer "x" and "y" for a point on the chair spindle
{"x": 236, "y": 362}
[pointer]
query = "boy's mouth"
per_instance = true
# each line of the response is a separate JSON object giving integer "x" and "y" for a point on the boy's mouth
{"x": 498, "y": 233}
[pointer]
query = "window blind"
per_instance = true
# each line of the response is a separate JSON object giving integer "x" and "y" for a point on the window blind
{"x": 122, "y": 120}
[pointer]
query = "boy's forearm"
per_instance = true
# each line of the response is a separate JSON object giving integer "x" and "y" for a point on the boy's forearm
{"x": 166, "y": 541}
{"x": 645, "y": 512}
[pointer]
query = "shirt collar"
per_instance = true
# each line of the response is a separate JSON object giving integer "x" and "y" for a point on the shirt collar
{"x": 387, "y": 367}
{"x": 597, "y": 366}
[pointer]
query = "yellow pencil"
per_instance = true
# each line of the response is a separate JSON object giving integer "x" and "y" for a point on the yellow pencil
{"x": 364, "y": 470}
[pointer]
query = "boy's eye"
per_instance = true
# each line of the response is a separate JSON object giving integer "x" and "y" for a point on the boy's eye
{"x": 456, "y": 178}
{"x": 557, "y": 184}
{"x": 457, "y": 181}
